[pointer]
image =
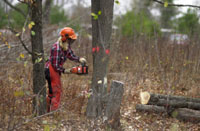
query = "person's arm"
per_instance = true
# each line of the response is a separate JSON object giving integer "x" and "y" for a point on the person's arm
{"x": 55, "y": 59}
{"x": 72, "y": 56}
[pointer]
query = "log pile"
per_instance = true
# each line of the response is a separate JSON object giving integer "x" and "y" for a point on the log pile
{"x": 182, "y": 108}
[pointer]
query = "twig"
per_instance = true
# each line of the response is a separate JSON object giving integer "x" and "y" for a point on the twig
{"x": 15, "y": 8}
{"x": 22, "y": 42}
{"x": 25, "y": 23}
{"x": 179, "y": 5}
{"x": 19, "y": 37}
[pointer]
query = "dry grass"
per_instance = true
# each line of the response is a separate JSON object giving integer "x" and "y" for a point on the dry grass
{"x": 151, "y": 65}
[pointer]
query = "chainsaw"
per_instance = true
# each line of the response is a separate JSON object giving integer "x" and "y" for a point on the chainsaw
{"x": 80, "y": 69}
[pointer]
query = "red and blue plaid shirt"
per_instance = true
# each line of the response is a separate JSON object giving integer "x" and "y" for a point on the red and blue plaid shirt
{"x": 58, "y": 56}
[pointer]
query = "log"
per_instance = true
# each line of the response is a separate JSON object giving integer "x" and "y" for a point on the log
{"x": 150, "y": 108}
{"x": 156, "y": 97}
{"x": 112, "y": 110}
{"x": 169, "y": 101}
{"x": 182, "y": 114}
{"x": 187, "y": 115}
{"x": 176, "y": 104}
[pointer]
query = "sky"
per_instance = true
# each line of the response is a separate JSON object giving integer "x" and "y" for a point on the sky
{"x": 125, "y": 5}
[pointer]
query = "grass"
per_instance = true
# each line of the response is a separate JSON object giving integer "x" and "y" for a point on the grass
{"x": 149, "y": 65}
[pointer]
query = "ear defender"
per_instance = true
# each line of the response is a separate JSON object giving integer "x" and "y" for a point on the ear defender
{"x": 64, "y": 37}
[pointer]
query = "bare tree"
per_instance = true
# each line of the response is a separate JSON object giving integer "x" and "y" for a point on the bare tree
{"x": 47, "y": 10}
{"x": 101, "y": 34}
{"x": 39, "y": 101}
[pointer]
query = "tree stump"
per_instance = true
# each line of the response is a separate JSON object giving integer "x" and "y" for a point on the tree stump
{"x": 112, "y": 110}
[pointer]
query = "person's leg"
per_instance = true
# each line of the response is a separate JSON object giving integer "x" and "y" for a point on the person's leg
{"x": 56, "y": 89}
{"x": 50, "y": 92}
{"x": 55, "y": 101}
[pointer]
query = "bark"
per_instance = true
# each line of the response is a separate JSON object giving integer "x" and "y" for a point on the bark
{"x": 112, "y": 110}
{"x": 38, "y": 59}
{"x": 101, "y": 34}
{"x": 47, "y": 11}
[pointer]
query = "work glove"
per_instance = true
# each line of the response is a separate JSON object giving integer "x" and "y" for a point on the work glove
{"x": 67, "y": 71}
{"x": 82, "y": 60}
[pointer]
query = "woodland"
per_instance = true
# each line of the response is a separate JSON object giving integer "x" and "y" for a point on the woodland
{"x": 143, "y": 65}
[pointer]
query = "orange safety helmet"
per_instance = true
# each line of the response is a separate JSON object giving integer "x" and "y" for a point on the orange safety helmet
{"x": 68, "y": 32}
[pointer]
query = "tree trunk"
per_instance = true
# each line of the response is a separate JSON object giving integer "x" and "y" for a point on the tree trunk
{"x": 101, "y": 38}
{"x": 39, "y": 102}
{"x": 112, "y": 110}
{"x": 47, "y": 10}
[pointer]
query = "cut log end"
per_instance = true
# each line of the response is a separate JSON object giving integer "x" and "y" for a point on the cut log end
{"x": 144, "y": 97}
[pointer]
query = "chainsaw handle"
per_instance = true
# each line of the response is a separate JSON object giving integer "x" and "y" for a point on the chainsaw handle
{"x": 83, "y": 64}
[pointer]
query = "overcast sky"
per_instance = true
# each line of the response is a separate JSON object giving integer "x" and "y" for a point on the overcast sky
{"x": 125, "y": 5}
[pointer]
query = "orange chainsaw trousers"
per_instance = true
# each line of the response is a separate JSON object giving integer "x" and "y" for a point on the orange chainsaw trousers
{"x": 55, "y": 90}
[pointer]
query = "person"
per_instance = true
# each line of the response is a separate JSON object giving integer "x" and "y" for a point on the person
{"x": 60, "y": 52}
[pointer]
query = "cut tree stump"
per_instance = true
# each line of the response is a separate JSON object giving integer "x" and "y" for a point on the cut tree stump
{"x": 112, "y": 110}
{"x": 187, "y": 115}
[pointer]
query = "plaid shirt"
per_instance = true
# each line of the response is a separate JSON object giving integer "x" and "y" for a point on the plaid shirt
{"x": 58, "y": 57}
